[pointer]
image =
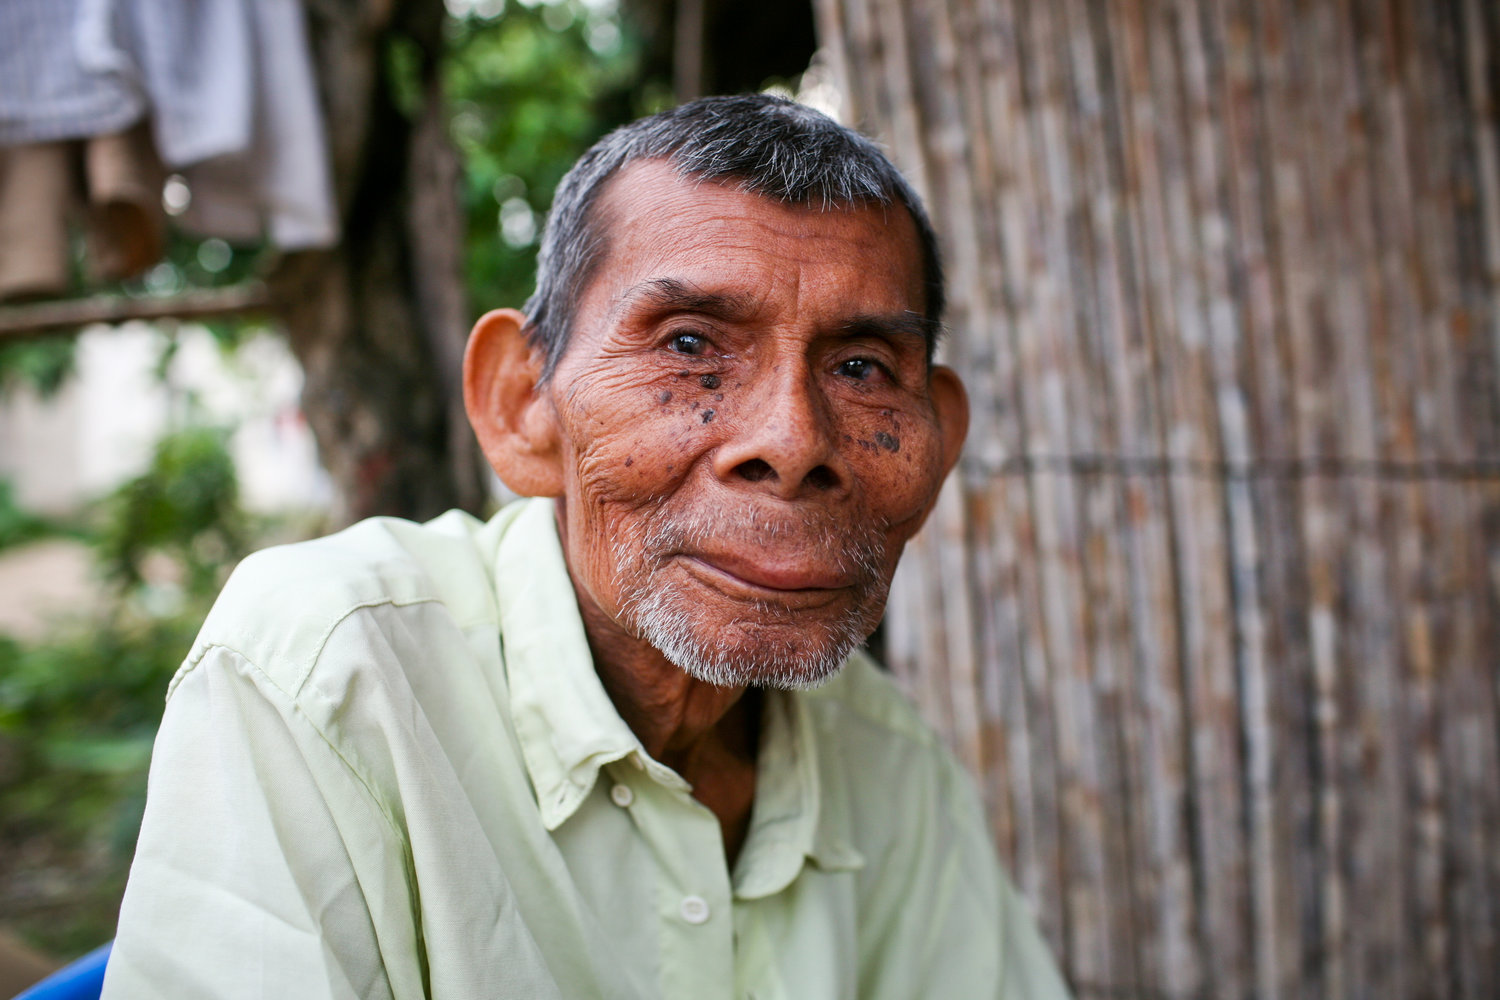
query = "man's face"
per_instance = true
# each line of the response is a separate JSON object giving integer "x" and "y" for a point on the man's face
{"x": 750, "y": 429}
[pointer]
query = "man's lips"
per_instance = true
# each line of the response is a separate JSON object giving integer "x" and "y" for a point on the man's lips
{"x": 767, "y": 570}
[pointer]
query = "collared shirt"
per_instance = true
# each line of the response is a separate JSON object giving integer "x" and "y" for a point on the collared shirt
{"x": 388, "y": 769}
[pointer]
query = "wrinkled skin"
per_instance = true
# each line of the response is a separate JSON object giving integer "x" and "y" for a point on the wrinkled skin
{"x": 744, "y": 430}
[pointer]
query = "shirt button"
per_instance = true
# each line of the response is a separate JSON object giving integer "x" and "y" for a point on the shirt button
{"x": 622, "y": 796}
{"x": 694, "y": 909}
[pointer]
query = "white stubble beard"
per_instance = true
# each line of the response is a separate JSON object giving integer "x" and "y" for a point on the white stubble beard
{"x": 662, "y": 616}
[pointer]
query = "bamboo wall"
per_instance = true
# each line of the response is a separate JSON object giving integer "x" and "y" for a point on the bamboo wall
{"x": 1211, "y": 604}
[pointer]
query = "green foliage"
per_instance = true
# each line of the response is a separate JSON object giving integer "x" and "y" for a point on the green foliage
{"x": 185, "y": 506}
{"x": 42, "y": 364}
{"x": 78, "y": 714}
{"x": 77, "y": 717}
{"x": 530, "y": 90}
{"x": 17, "y": 525}
{"x": 79, "y": 710}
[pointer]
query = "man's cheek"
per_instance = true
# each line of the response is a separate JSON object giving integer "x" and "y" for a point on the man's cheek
{"x": 620, "y": 473}
{"x": 685, "y": 401}
{"x": 899, "y": 458}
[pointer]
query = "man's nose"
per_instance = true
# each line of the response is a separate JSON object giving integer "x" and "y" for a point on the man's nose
{"x": 784, "y": 439}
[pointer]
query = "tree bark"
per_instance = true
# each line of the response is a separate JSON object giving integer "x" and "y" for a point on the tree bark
{"x": 379, "y": 322}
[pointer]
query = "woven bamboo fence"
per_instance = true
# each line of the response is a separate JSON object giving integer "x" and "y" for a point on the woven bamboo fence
{"x": 1211, "y": 603}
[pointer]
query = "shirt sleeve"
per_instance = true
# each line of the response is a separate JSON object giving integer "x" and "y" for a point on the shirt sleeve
{"x": 247, "y": 879}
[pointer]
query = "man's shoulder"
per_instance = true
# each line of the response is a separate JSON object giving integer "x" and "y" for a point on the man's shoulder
{"x": 864, "y": 697}
{"x": 281, "y": 604}
{"x": 873, "y": 740}
{"x": 888, "y": 780}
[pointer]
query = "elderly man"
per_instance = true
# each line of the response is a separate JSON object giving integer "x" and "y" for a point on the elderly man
{"x": 618, "y": 741}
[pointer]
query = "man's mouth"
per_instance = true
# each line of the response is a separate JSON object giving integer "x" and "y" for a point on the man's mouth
{"x": 771, "y": 571}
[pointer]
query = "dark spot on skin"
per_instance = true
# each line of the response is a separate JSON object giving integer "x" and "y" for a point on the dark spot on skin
{"x": 709, "y": 381}
{"x": 708, "y": 415}
{"x": 718, "y": 397}
{"x": 887, "y": 442}
{"x": 696, "y": 404}
{"x": 867, "y": 445}
{"x": 665, "y": 397}
{"x": 629, "y": 461}
{"x": 886, "y": 414}
{"x": 848, "y": 439}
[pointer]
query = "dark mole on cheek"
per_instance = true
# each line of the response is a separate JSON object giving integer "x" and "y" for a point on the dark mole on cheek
{"x": 709, "y": 381}
{"x": 629, "y": 461}
{"x": 708, "y": 415}
{"x": 887, "y": 442}
{"x": 665, "y": 397}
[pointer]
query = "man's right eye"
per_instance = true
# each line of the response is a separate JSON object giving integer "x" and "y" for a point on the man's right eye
{"x": 688, "y": 343}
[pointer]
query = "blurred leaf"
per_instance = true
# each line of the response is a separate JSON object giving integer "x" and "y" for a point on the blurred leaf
{"x": 16, "y": 524}
{"x": 43, "y": 364}
{"x": 528, "y": 96}
{"x": 110, "y": 755}
{"x": 185, "y": 506}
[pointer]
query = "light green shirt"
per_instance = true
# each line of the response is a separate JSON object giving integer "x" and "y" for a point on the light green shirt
{"x": 388, "y": 769}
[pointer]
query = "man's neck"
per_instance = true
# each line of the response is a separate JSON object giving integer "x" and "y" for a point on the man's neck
{"x": 676, "y": 716}
{"x": 708, "y": 734}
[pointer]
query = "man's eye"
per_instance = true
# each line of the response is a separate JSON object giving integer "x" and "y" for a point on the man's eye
{"x": 688, "y": 343}
{"x": 859, "y": 369}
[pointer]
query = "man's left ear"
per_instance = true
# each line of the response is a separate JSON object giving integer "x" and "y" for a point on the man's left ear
{"x": 952, "y": 404}
{"x": 510, "y": 413}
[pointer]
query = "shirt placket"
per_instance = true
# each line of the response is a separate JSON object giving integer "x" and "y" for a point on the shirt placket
{"x": 694, "y": 896}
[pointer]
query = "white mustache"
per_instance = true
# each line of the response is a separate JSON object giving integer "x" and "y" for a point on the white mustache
{"x": 859, "y": 547}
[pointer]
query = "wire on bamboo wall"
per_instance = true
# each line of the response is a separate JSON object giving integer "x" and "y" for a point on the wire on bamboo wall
{"x": 1211, "y": 605}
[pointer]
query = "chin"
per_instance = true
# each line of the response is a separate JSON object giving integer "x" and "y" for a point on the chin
{"x": 783, "y": 656}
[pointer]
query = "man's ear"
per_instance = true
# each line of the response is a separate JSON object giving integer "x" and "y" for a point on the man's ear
{"x": 952, "y": 404}
{"x": 512, "y": 417}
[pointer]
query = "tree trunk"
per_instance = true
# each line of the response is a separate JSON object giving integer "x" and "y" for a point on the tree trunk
{"x": 379, "y": 322}
{"x": 1211, "y": 604}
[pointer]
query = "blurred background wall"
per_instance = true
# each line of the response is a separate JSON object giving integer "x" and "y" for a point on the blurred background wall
{"x": 1211, "y": 604}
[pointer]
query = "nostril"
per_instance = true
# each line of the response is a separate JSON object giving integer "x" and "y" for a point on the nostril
{"x": 755, "y": 470}
{"x": 822, "y": 478}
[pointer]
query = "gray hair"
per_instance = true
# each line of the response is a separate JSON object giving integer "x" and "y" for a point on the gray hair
{"x": 771, "y": 146}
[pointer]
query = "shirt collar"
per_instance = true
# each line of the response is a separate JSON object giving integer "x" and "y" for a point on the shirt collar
{"x": 566, "y": 725}
{"x": 792, "y": 820}
{"x": 568, "y": 728}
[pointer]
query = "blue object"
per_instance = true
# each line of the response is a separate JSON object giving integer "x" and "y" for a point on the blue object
{"x": 81, "y": 980}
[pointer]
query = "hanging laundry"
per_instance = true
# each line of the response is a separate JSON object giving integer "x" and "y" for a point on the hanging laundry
{"x": 110, "y": 185}
{"x": 224, "y": 89}
{"x": 48, "y": 91}
{"x": 234, "y": 108}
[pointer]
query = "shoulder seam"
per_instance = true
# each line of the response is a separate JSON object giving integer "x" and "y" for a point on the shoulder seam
{"x": 201, "y": 648}
{"x": 364, "y": 783}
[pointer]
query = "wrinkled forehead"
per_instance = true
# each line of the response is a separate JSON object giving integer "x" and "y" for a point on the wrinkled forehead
{"x": 648, "y": 200}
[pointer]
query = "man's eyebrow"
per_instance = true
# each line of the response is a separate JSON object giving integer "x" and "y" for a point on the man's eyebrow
{"x": 674, "y": 295}
{"x": 905, "y": 324}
